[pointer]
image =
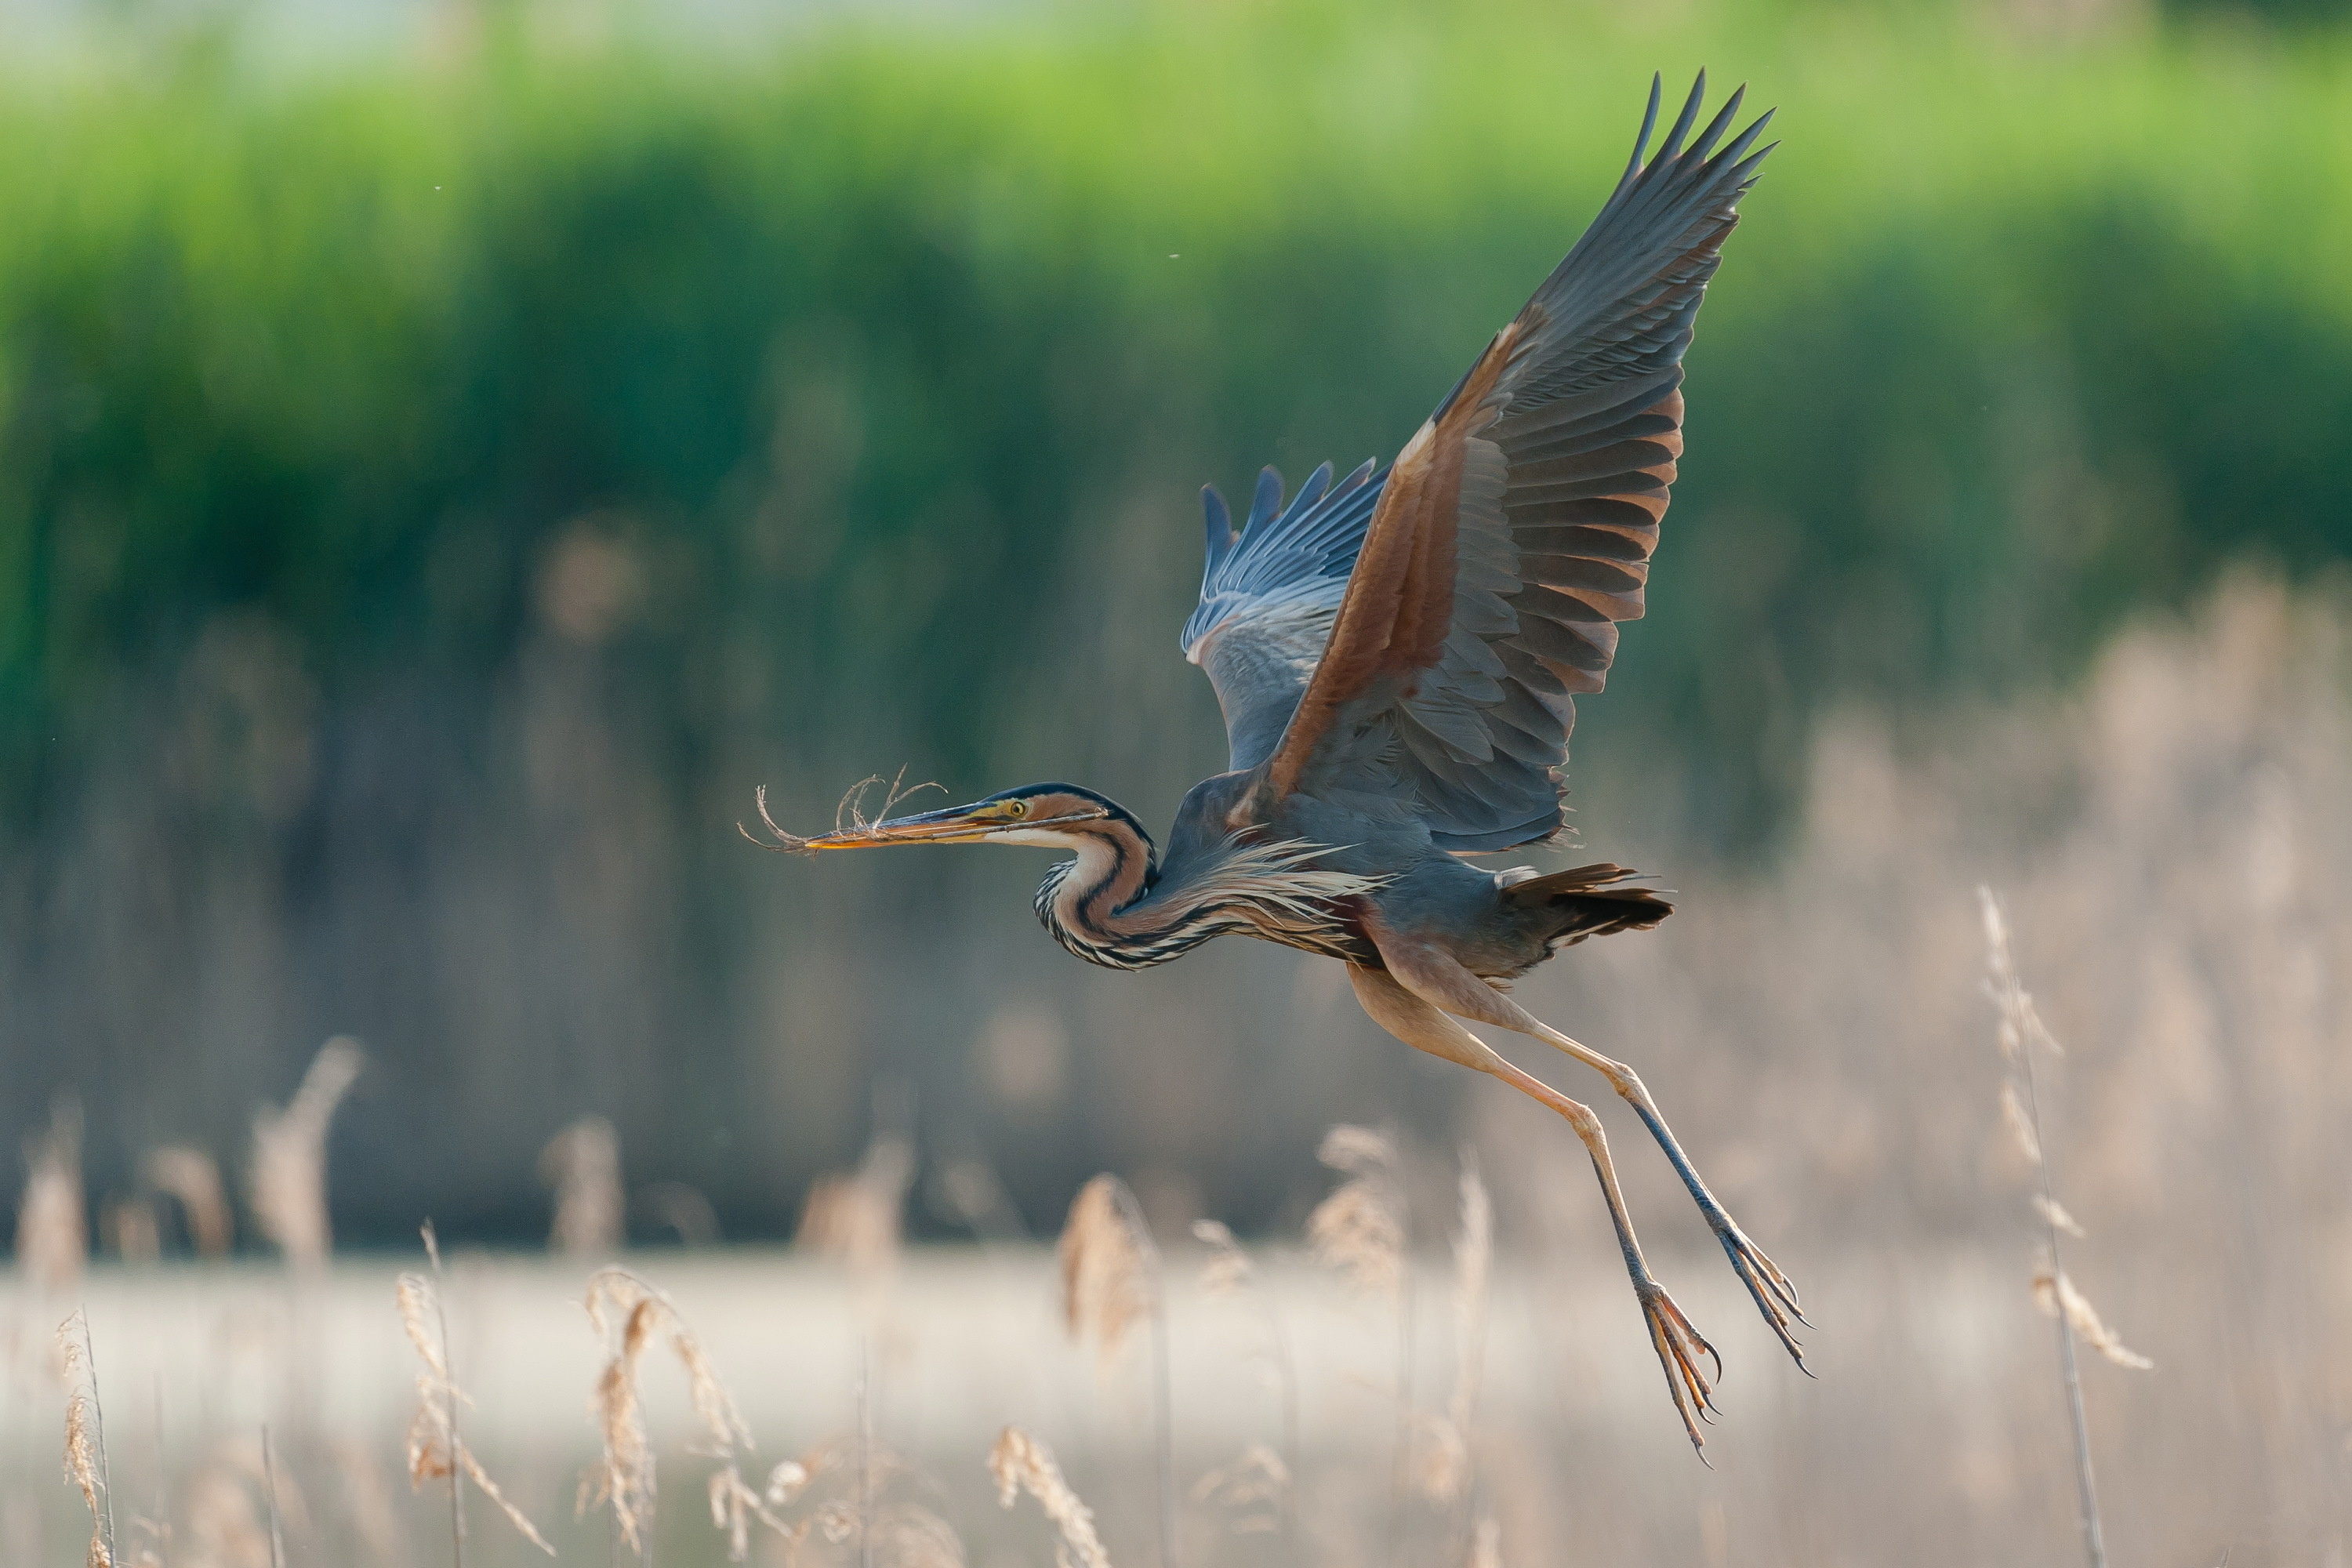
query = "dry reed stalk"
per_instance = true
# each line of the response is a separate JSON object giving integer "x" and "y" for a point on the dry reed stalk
{"x": 1229, "y": 1274}
{"x": 367, "y": 1499}
{"x": 2021, "y": 1034}
{"x": 194, "y": 1178}
{"x": 436, "y": 1451}
{"x": 85, "y": 1448}
{"x": 280, "y": 1496}
{"x": 1361, "y": 1229}
{"x": 131, "y": 1230}
{"x": 628, "y": 1315}
{"x": 226, "y": 1529}
{"x": 230, "y": 1504}
{"x": 269, "y": 1491}
{"x": 52, "y": 1234}
{"x": 1474, "y": 1268}
{"x": 1445, "y": 1467}
{"x": 1110, "y": 1282}
{"x": 149, "y": 1552}
{"x": 159, "y": 1529}
{"x": 859, "y": 1219}
{"x": 865, "y": 1452}
{"x": 290, "y": 1158}
{"x": 583, "y": 1163}
{"x": 1021, "y": 1463}
{"x": 626, "y": 1476}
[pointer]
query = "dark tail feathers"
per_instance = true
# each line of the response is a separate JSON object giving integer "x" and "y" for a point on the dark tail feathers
{"x": 1588, "y": 903}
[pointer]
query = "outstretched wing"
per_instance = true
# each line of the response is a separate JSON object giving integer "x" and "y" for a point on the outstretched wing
{"x": 1268, "y": 595}
{"x": 1514, "y": 530}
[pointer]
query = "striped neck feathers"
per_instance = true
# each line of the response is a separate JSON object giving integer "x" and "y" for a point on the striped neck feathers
{"x": 1111, "y": 905}
{"x": 1078, "y": 901}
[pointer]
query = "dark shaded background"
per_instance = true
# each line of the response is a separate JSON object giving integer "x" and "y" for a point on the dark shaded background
{"x": 437, "y": 488}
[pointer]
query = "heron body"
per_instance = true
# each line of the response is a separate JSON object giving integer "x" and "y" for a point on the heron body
{"x": 1397, "y": 656}
{"x": 1115, "y": 904}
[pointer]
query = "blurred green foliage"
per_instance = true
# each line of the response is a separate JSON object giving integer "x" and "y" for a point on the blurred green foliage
{"x": 435, "y": 486}
{"x": 855, "y": 334}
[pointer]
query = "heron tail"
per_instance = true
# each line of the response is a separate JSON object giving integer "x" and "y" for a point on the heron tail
{"x": 1590, "y": 901}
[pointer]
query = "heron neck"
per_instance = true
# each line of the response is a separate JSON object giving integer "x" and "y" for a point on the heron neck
{"x": 1082, "y": 900}
{"x": 1117, "y": 864}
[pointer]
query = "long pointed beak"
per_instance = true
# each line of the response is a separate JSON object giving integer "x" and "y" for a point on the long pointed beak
{"x": 952, "y": 824}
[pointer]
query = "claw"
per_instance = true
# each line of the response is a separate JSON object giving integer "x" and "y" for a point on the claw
{"x": 1767, "y": 1286}
{"x": 1678, "y": 1346}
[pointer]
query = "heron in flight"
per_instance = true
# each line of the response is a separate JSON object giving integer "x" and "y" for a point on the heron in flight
{"x": 1398, "y": 656}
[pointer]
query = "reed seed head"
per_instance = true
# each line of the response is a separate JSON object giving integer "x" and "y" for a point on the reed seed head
{"x": 583, "y": 1163}
{"x": 2054, "y": 1213}
{"x": 1359, "y": 1228}
{"x": 436, "y": 1450}
{"x": 131, "y": 1230}
{"x": 2020, "y": 1122}
{"x": 858, "y": 1218}
{"x": 1023, "y": 1463}
{"x": 1441, "y": 1458}
{"x": 1109, "y": 1267}
{"x": 52, "y": 1231}
{"x": 1228, "y": 1272}
{"x": 2052, "y": 1290}
{"x": 629, "y": 1316}
{"x": 290, "y": 1157}
{"x": 193, "y": 1178}
{"x": 82, "y": 1465}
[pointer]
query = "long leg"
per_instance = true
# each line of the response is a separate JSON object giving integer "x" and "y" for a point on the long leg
{"x": 1438, "y": 978}
{"x": 1425, "y": 1028}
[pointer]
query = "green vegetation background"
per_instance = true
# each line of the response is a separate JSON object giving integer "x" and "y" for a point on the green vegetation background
{"x": 873, "y": 361}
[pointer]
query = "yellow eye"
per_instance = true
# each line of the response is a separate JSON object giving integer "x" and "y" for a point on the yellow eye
{"x": 1016, "y": 808}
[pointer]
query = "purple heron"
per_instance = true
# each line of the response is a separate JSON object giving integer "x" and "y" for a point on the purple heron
{"x": 1398, "y": 658}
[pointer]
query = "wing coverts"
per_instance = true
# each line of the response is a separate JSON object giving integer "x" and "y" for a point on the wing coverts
{"x": 1510, "y": 538}
{"x": 1268, "y": 595}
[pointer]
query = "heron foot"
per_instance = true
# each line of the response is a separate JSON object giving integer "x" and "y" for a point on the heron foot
{"x": 1770, "y": 1288}
{"x": 1679, "y": 1347}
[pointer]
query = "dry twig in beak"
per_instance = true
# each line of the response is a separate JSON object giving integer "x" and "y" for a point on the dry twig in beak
{"x": 849, "y": 819}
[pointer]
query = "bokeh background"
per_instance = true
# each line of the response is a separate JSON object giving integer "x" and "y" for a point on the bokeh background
{"x": 452, "y": 453}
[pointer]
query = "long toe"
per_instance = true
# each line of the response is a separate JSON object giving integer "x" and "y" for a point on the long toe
{"x": 1771, "y": 1290}
{"x": 1679, "y": 1348}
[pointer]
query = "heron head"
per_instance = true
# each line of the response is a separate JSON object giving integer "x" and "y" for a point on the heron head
{"x": 1046, "y": 814}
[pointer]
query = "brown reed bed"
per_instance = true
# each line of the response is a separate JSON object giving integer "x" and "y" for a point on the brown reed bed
{"x": 2171, "y": 852}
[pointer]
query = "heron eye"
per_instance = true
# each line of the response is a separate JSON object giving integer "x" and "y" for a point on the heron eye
{"x": 1016, "y": 808}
